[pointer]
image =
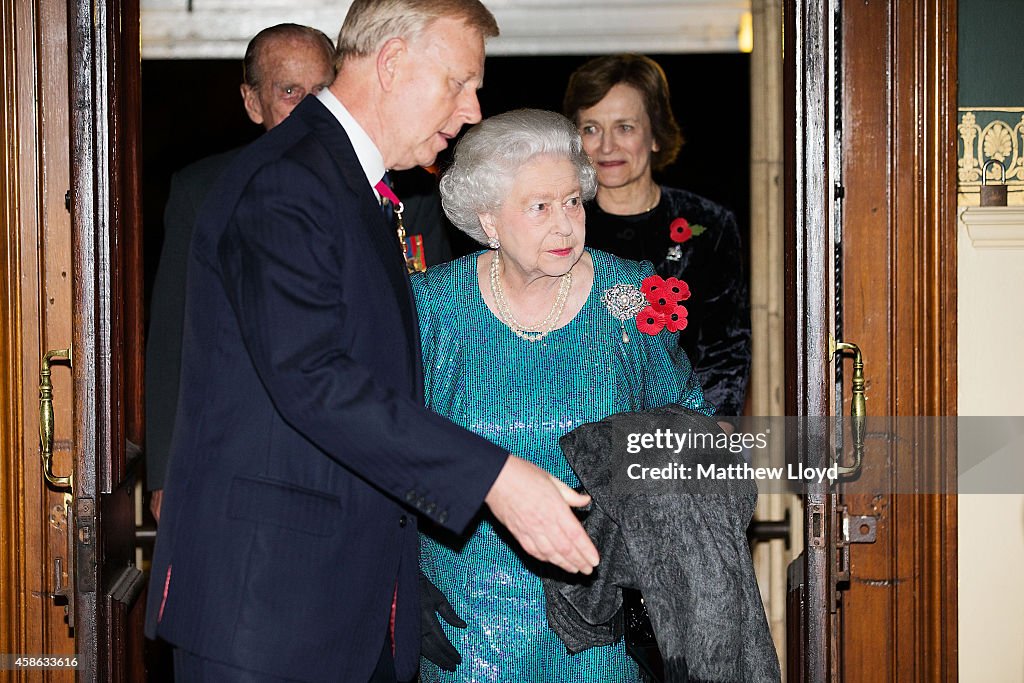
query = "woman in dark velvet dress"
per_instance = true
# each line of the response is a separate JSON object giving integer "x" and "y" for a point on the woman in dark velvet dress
{"x": 621, "y": 105}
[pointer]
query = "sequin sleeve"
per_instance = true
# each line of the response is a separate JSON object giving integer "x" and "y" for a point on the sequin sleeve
{"x": 428, "y": 345}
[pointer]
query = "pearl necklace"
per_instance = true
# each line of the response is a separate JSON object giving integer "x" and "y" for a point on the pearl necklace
{"x": 545, "y": 326}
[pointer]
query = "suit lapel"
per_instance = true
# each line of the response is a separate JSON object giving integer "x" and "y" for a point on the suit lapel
{"x": 371, "y": 218}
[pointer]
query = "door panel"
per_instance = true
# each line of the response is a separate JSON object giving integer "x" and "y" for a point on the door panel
{"x": 36, "y": 311}
{"x": 69, "y": 120}
{"x": 899, "y": 156}
{"x": 872, "y": 213}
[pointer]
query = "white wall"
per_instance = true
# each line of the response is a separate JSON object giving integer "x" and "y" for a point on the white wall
{"x": 990, "y": 381}
{"x": 221, "y": 28}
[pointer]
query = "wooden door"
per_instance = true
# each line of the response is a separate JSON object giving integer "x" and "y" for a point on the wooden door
{"x": 898, "y": 281}
{"x": 74, "y": 286}
{"x": 36, "y": 308}
{"x": 871, "y": 260}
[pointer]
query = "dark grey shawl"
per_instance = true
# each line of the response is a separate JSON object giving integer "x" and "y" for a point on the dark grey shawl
{"x": 683, "y": 544}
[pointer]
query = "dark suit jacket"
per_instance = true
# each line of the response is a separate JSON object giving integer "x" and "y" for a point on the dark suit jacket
{"x": 189, "y": 189}
{"x": 301, "y": 432}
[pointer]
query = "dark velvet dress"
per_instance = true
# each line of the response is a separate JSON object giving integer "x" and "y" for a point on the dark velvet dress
{"x": 713, "y": 264}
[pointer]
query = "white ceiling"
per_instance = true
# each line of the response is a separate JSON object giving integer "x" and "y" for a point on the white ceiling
{"x": 221, "y": 28}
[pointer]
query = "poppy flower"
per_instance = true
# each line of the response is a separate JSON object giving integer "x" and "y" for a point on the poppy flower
{"x": 654, "y": 284}
{"x": 675, "y": 320}
{"x": 650, "y": 321}
{"x": 662, "y": 303}
{"x": 678, "y": 290}
{"x": 665, "y": 297}
{"x": 679, "y": 230}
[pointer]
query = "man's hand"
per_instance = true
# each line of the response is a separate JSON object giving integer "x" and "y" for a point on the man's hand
{"x": 534, "y": 506}
{"x": 156, "y": 498}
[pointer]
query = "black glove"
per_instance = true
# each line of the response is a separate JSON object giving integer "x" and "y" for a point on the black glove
{"x": 435, "y": 645}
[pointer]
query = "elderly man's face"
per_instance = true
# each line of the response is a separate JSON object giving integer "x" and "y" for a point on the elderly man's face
{"x": 434, "y": 93}
{"x": 289, "y": 69}
{"x": 540, "y": 225}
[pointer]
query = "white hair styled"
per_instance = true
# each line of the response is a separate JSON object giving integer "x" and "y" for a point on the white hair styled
{"x": 489, "y": 156}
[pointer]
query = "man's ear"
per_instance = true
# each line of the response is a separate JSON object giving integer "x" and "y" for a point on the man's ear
{"x": 251, "y": 99}
{"x": 389, "y": 59}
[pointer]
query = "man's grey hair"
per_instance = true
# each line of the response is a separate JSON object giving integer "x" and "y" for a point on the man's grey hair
{"x": 490, "y": 155}
{"x": 371, "y": 23}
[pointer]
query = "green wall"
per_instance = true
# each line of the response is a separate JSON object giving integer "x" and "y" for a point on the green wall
{"x": 991, "y": 53}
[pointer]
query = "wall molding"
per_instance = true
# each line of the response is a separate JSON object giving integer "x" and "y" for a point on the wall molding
{"x": 220, "y": 29}
{"x": 994, "y": 227}
{"x": 990, "y": 134}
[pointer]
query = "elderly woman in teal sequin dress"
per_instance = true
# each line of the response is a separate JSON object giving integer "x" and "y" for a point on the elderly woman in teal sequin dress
{"x": 523, "y": 342}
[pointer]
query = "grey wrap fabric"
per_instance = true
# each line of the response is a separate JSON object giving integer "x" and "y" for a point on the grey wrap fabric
{"x": 684, "y": 546}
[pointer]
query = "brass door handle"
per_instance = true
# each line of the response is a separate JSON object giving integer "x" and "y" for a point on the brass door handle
{"x": 858, "y": 407}
{"x": 46, "y": 417}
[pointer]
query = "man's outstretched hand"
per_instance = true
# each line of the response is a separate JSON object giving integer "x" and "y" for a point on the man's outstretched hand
{"x": 535, "y": 507}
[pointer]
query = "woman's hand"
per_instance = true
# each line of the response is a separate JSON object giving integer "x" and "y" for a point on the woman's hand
{"x": 535, "y": 507}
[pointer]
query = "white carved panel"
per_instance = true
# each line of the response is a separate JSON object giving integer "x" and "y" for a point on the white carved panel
{"x": 221, "y": 28}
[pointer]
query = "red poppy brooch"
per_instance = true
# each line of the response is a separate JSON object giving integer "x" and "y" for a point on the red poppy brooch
{"x": 655, "y": 306}
{"x": 680, "y": 230}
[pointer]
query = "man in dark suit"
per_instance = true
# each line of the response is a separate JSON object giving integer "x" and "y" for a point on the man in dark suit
{"x": 287, "y": 548}
{"x": 282, "y": 64}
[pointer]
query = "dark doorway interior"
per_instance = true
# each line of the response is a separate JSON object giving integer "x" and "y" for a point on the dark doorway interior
{"x": 192, "y": 108}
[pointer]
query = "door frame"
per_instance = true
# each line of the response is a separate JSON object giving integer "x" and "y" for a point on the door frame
{"x": 105, "y": 79}
{"x": 809, "y": 157}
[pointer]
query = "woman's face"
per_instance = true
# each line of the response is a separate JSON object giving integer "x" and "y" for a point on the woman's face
{"x": 617, "y": 135}
{"x": 540, "y": 225}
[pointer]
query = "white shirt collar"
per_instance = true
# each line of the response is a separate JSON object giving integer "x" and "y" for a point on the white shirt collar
{"x": 369, "y": 156}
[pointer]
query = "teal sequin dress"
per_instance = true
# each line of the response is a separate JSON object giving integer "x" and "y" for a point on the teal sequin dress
{"x": 523, "y": 396}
